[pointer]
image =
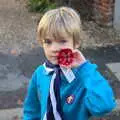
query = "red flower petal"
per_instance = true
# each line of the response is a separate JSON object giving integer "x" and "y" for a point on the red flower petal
{"x": 65, "y": 57}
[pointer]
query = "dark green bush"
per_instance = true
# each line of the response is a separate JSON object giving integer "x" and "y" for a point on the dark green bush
{"x": 40, "y": 5}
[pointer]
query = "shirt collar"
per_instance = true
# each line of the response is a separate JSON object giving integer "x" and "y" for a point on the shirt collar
{"x": 47, "y": 69}
{"x": 67, "y": 72}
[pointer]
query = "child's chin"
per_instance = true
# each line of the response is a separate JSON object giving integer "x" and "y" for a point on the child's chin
{"x": 54, "y": 62}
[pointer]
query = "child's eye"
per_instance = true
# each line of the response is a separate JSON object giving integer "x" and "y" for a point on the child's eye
{"x": 47, "y": 41}
{"x": 63, "y": 41}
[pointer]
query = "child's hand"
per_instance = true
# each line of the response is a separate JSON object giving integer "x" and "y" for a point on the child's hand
{"x": 70, "y": 58}
{"x": 78, "y": 58}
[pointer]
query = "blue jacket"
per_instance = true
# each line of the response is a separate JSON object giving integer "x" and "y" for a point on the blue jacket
{"x": 90, "y": 92}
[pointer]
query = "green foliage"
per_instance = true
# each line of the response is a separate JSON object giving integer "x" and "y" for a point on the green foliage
{"x": 40, "y": 5}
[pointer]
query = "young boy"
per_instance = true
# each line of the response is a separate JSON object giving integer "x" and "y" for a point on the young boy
{"x": 57, "y": 92}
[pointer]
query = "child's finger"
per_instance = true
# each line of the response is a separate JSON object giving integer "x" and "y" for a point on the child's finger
{"x": 78, "y": 55}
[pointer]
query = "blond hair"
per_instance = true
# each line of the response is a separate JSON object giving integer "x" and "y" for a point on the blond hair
{"x": 58, "y": 23}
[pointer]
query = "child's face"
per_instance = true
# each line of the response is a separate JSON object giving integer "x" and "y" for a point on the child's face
{"x": 52, "y": 46}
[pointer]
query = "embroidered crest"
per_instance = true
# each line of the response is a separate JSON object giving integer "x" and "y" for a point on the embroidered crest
{"x": 70, "y": 99}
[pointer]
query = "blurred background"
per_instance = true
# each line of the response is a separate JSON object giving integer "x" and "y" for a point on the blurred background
{"x": 20, "y": 53}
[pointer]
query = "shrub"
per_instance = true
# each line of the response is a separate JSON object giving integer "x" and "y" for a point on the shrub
{"x": 40, "y": 5}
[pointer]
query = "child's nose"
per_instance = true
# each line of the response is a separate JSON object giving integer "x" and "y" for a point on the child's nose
{"x": 55, "y": 47}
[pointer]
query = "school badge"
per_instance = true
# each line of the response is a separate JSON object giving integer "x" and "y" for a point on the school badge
{"x": 70, "y": 99}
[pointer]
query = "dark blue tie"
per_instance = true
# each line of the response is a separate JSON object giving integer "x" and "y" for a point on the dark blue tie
{"x": 50, "y": 115}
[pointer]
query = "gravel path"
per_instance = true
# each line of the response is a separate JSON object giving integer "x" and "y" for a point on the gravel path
{"x": 17, "y": 27}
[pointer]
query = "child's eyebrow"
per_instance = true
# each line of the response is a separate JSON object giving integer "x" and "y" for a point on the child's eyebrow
{"x": 49, "y": 38}
{"x": 53, "y": 39}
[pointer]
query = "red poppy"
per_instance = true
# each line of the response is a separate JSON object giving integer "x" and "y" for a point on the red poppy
{"x": 65, "y": 57}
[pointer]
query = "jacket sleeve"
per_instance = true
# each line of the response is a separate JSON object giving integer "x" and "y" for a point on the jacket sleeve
{"x": 99, "y": 98}
{"x": 31, "y": 108}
